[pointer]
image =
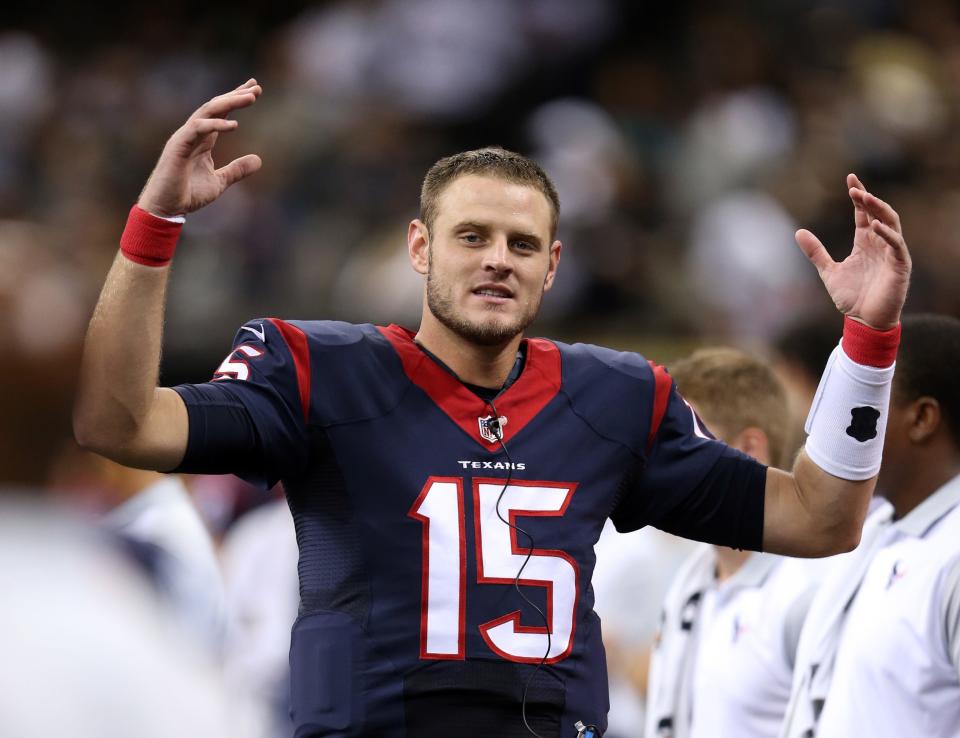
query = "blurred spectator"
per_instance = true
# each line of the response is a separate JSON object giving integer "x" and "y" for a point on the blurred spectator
{"x": 746, "y": 269}
{"x": 259, "y": 558}
{"x": 156, "y": 520}
{"x": 88, "y": 649}
{"x": 632, "y": 575}
{"x": 730, "y": 612}
{"x": 660, "y": 121}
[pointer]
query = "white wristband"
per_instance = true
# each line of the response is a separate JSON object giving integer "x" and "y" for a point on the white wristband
{"x": 172, "y": 218}
{"x": 848, "y": 417}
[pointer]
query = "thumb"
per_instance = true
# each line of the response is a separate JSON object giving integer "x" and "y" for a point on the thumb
{"x": 239, "y": 169}
{"x": 814, "y": 250}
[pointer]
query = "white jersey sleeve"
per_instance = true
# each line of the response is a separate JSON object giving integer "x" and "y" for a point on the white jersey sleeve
{"x": 951, "y": 612}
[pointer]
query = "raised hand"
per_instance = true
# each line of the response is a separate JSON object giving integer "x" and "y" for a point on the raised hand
{"x": 185, "y": 177}
{"x": 870, "y": 285}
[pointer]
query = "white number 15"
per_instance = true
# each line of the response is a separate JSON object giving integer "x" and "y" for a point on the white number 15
{"x": 499, "y": 557}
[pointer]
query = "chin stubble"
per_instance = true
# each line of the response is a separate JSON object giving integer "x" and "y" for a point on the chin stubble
{"x": 492, "y": 334}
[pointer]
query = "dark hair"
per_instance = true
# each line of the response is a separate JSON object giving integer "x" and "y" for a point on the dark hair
{"x": 737, "y": 391}
{"x": 928, "y": 363}
{"x": 809, "y": 342}
{"x": 491, "y": 161}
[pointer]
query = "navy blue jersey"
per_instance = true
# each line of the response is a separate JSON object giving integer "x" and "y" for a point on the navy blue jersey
{"x": 410, "y": 623}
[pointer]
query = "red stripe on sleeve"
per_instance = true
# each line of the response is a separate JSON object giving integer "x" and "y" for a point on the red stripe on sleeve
{"x": 296, "y": 341}
{"x": 661, "y": 396}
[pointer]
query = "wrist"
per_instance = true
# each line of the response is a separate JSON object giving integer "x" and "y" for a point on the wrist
{"x": 150, "y": 239}
{"x": 848, "y": 416}
{"x": 870, "y": 346}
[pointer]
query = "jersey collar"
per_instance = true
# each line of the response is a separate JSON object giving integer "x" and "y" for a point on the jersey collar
{"x": 538, "y": 383}
{"x": 924, "y": 516}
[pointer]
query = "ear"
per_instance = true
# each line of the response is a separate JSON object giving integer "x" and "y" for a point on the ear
{"x": 552, "y": 267}
{"x": 923, "y": 419}
{"x": 418, "y": 246}
{"x": 753, "y": 442}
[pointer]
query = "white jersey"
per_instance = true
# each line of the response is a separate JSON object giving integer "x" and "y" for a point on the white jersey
{"x": 632, "y": 575}
{"x": 724, "y": 663}
{"x": 164, "y": 516}
{"x": 897, "y": 669}
{"x": 87, "y": 652}
{"x": 259, "y": 557}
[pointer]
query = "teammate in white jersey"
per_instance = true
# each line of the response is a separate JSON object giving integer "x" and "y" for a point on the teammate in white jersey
{"x": 880, "y": 653}
{"x": 724, "y": 660}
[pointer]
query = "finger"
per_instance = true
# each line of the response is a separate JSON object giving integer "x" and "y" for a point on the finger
{"x": 814, "y": 250}
{"x": 893, "y": 238}
{"x": 223, "y": 105}
{"x": 239, "y": 169}
{"x": 861, "y": 218}
{"x": 853, "y": 182}
{"x": 880, "y": 210}
{"x": 249, "y": 83}
{"x": 199, "y": 128}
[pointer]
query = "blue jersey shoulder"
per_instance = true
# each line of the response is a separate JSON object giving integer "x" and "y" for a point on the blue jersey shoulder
{"x": 615, "y": 392}
{"x": 333, "y": 333}
{"x": 344, "y": 372}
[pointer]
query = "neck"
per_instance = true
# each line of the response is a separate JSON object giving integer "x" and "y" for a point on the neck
{"x": 473, "y": 363}
{"x": 925, "y": 478}
{"x": 729, "y": 561}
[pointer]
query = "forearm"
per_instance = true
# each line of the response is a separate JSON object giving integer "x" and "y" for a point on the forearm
{"x": 121, "y": 357}
{"x": 810, "y": 512}
{"x": 120, "y": 412}
{"x": 819, "y": 508}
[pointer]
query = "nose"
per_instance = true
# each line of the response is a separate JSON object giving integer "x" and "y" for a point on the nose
{"x": 496, "y": 256}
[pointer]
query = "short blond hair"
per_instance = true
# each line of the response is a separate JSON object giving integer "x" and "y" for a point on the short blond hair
{"x": 492, "y": 161}
{"x": 737, "y": 391}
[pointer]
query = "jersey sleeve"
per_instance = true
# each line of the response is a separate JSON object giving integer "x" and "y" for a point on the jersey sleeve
{"x": 950, "y": 599}
{"x": 251, "y": 418}
{"x": 692, "y": 485}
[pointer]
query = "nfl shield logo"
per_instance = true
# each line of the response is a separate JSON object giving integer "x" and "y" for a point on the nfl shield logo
{"x": 491, "y": 429}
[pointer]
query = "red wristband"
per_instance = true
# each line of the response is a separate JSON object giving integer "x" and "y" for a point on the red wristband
{"x": 868, "y": 346}
{"x": 149, "y": 240}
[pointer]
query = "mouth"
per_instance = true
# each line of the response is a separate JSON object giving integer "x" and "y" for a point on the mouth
{"x": 492, "y": 291}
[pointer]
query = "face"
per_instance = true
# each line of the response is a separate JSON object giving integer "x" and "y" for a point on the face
{"x": 896, "y": 444}
{"x": 488, "y": 258}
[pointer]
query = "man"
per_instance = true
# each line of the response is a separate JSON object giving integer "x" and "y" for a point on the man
{"x": 448, "y": 485}
{"x": 155, "y": 518}
{"x": 730, "y": 612}
{"x": 88, "y": 649}
{"x": 880, "y": 652}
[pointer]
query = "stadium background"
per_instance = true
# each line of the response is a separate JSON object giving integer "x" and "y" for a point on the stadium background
{"x": 688, "y": 142}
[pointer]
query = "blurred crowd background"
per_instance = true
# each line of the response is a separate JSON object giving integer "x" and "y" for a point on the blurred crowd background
{"x": 688, "y": 141}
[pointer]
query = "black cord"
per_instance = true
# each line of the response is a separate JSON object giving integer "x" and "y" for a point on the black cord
{"x": 498, "y": 434}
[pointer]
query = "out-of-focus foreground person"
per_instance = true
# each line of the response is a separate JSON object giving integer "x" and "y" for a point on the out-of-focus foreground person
{"x": 879, "y": 654}
{"x": 722, "y": 665}
{"x": 88, "y": 650}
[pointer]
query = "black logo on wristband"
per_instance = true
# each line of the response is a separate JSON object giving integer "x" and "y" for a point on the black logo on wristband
{"x": 863, "y": 423}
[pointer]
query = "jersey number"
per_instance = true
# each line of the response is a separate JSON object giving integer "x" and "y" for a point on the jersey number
{"x": 234, "y": 367}
{"x": 499, "y": 557}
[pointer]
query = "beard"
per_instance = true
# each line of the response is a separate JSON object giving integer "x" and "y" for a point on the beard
{"x": 494, "y": 332}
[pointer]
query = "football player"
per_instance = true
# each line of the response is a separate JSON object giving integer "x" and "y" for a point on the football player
{"x": 879, "y": 654}
{"x": 729, "y": 611}
{"x": 448, "y": 483}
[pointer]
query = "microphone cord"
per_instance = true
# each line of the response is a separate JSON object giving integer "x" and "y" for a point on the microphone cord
{"x": 498, "y": 434}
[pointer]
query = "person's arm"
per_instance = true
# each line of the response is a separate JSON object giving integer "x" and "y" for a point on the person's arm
{"x": 813, "y": 511}
{"x": 119, "y": 411}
